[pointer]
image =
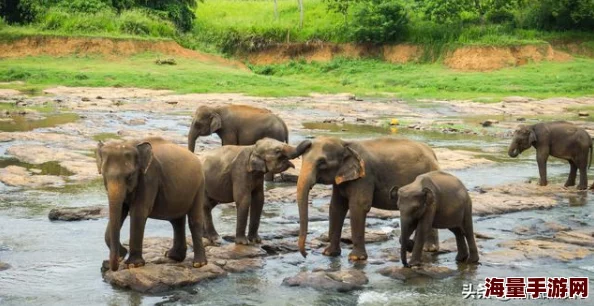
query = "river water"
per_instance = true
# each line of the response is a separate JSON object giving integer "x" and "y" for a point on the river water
{"x": 58, "y": 263}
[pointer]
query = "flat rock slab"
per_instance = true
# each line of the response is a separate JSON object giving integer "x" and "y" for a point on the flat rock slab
{"x": 234, "y": 251}
{"x": 433, "y": 272}
{"x": 154, "y": 278}
{"x": 341, "y": 281}
{"x": 537, "y": 249}
{"x": 540, "y": 226}
{"x": 21, "y": 177}
{"x": 371, "y": 236}
{"x": 78, "y": 213}
{"x": 582, "y": 237}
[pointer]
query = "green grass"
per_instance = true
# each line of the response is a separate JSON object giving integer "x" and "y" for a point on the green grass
{"x": 361, "y": 77}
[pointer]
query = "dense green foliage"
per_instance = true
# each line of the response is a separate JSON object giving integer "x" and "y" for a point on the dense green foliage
{"x": 379, "y": 22}
{"x": 180, "y": 12}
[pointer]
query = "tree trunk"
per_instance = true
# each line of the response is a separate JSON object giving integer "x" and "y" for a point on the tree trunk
{"x": 300, "y": 14}
{"x": 275, "y": 10}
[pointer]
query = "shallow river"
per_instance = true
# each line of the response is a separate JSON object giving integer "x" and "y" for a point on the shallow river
{"x": 58, "y": 263}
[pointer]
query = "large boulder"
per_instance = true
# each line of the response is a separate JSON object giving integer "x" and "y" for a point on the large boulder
{"x": 4, "y": 266}
{"x": 341, "y": 281}
{"x": 78, "y": 213}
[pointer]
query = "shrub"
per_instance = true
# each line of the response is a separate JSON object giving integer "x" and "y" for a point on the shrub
{"x": 380, "y": 22}
{"x": 84, "y": 6}
{"x": 139, "y": 22}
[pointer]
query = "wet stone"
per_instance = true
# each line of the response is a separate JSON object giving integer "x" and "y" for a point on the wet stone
{"x": 404, "y": 274}
{"x": 4, "y": 266}
{"x": 582, "y": 237}
{"x": 78, "y": 213}
{"x": 371, "y": 236}
{"x": 234, "y": 251}
{"x": 541, "y": 227}
{"x": 341, "y": 281}
{"x": 537, "y": 249}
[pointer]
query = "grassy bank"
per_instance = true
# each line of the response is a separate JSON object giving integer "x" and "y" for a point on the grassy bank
{"x": 361, "y": 77}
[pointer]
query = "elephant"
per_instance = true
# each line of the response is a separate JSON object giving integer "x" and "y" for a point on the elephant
{"x": 362, "y": 174}
{"x": 435, "y": 200}
{"x": 236, "y": 174}
{"x": 560, "y": 139}
{"x": 237, "y": 125}
{"x": 151, "y": 178}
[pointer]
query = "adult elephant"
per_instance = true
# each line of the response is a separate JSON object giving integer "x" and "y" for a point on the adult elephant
{"x": 236, "y": 174}
{"x": 362, "y": 173}
{"x": 151, "y": 178}
{"x": 560, "y": 139}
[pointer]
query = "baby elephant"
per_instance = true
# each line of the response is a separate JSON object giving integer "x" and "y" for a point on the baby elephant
{"x": 559, "y": 139}
{"x": 435, "y": 200}
{"x": 236, "y": 173}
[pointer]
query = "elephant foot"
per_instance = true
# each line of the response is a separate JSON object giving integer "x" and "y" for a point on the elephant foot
{"x": 177, "y": 255}
{"x": 473, "y": 259}
{"x": 134, "y": 263}
{"x": 330, "y": 251}
{"x": 241, "y": 240}
{"x": 430, "y": 247}
{"x": 414, "y": 263}
{"x": 582, "y": 187}
{"x": 542, "y": 183}
{"x": 254, "y": 239}
{"x": 356, "y": 255}
{"x": 569, "y": 184}
{"x": 199, "y": 264}
{"x": 461, "y": 257}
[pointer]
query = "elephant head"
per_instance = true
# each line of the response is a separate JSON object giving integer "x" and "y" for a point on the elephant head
{"x": 121, "y": 164}
{"x": 524, "y": 138}
{"x": 413, "y": 200}
{"x": 271, "y": 155}
{"x": 204, "y": 122}
{"x": 327, "y": 160}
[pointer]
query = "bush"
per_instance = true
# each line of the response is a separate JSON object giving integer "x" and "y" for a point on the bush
{"x": 560, "y": 15}
{"x": 380, "y": 22}
{"x": 139, "y": 22}
{"x": 84, "y": 6}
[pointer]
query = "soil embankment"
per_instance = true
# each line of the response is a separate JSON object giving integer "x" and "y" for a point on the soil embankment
{"x": 109, "y": 47}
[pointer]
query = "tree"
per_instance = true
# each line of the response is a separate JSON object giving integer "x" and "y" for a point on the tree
{"x": 341, "y": 6}
{"x": 300, "y": 13}
{"x": 275, "y": 10}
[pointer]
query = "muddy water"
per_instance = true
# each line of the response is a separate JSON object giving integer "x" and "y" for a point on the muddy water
{"x": 21, "y": 123}
{"x": 57, "y": 263}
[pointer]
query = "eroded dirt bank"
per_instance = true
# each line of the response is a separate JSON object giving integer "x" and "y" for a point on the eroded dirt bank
{"x": 53, "y": 167}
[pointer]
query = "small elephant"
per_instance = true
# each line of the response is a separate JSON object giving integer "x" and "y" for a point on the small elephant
{"x": 151, "y": 178}
{"x": 237, "y": 125}
{"x": 560, "y": 139}
{"x": 236, "y": 173}
{"x": 435, "y": 200}
{"x": 361, "y": 174}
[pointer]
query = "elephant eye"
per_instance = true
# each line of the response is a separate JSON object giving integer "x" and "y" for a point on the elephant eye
{"x": 322, "y": 163}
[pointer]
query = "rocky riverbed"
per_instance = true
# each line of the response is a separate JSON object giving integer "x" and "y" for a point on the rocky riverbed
{"x": 47, "y": 169}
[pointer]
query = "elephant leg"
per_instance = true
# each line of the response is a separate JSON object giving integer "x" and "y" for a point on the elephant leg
{"x": 243, "y": 204}
{"x": 338, "y": 210}
{"x": 541, "y": 159}
{"x": 255, "y": 215}
{"x": 123, "y": 250}
{"x": 195, "y": 221}
{"x": 359, "y": 209}
{"x": 572, "y": 174}
{"x": 460, "y": 244}
{"x": 420, "y": 236}
{"x": 583, "y": 167}
{"x": 269, "y": 177}
{"x": 137, "y": 224}
{"x": 431, "y": 241}
{"x": 209, "y": 230}
{"x": 179, "y": 248}
{"x": 469, "y": 234}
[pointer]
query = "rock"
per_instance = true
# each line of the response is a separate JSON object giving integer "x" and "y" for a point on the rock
{"x": 154, "y": 278}
{"x": 581, "y": 238}
{"x": 138, "y": 121}
{"x": 78, "y": 213}
{"x": 85, "y": 99}
{"x": 583, "y": 114}
{"x": 459, "y": 159}
{"x": 383, "y": 214}
{"x": 404, "y": 274}
{"x": 280, "y": 247}
{"x": 537, "y": 249}
{"x": 234, "y": 251}
{"x": 341, "y": 281}
{"x": 171, "y": 102}
{"x": 371, "y": 236}
{"x": 4, "y": 266}
{"x": 539, "y": 226}
{"x": 516, "y": 99}
{"x": 21, "y": 177}
{"x": 489, "y": 122}
{"x": 241, "y": 265}
{"x": 521, "y": 119}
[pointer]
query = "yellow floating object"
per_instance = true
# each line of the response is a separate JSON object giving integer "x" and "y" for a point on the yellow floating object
{"x": 394, "y": 121}
{"x": 394, "y": 130}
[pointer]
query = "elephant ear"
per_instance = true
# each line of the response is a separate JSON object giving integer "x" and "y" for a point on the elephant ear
{"x": 256, "y": 163}
{"x": 430, "y": 190}
{"x": 532, "y": 137}
{"x": 145, "y": 156}
{"x": 215, "y": 123}
{"x": 98, "y": 156}
{"x": 352, "y": 168}
{"x": 394, "y": 192}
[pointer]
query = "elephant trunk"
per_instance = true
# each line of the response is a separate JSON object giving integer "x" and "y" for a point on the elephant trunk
{"x": 513, "y": 150}
{"x": 307, "y": 178}
{"x": 404, "y": 241}
{"x": 116, "y": 193}
{"x": 192, "y": 136}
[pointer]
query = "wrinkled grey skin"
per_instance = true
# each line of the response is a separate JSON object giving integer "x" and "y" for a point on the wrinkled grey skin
{"x": 362, "y": 174}
{"x": 236, "y": 174}
{"x": 151, "y": 178}
{"x": 435, "y": 200}
{"x": 237, "y": 125}
{"x": 559, "y": 139}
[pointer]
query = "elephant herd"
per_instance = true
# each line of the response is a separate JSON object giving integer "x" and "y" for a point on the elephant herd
{"x": 154, "y": 178}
